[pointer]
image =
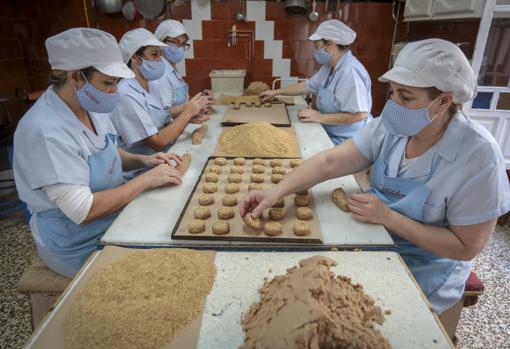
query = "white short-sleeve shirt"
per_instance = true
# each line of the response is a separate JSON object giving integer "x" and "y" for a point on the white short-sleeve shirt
{"x": 470, "y": 184}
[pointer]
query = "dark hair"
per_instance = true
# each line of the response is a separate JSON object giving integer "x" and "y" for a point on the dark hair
{"x": 341, "y": 47}
{"x": 138, "y": 53}
{"x": 434, "y": 93}
{"x": 58, "y": 77}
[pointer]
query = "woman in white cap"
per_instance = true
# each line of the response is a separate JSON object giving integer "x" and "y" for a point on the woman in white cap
{"x": 438, "y": 181}
{"x": 342, "y": 85}
{"x": 67, "y": 166}
{"x": 143, "y": 123}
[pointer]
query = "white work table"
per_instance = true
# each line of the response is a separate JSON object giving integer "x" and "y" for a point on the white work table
{"x": 151, "y": 217}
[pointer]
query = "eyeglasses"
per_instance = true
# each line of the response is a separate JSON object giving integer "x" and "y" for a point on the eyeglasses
{"x": 178, "y": 44}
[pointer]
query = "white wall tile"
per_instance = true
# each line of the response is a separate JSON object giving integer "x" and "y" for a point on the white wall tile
{"x": 256, "y": 10}
{"x": 201, "y": 10}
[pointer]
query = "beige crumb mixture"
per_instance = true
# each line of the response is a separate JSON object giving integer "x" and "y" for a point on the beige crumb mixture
{"x": 257, "y": 139}
{"x": 140, "y": 301}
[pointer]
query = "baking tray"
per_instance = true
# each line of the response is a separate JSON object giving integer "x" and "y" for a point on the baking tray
{"x": 276, "y": 115}
{"x": 238, "y": 230}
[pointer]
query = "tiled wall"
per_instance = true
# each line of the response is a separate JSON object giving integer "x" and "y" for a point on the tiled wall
{"x": 31, "y": 22}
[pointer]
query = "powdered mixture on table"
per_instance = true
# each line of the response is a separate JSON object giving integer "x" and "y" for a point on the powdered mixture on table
{"x": 257, "y": 139}
{"x": 255, "y": 88}
{"x": 141, "y": 301}
{"x": 310, "y": 307}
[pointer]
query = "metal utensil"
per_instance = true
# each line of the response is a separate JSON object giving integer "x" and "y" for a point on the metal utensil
{"x": 314, "y": 15}
{"x": 295, "y": 7}
{"x": 150, "y": 9}
{"x": 129, "y": 11}
{"x": 240, "y": 14}
{"x": 108, "y": 6}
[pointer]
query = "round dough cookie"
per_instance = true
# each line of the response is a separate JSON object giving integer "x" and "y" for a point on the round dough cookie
{"x": 279, "y": 170}
{"x": 304, "y": 213}
{"x": 302, "y": 228}
{"x": 259, "y": 161}
{"x": 226, "y": 213}
{"x": 276, "y": 178}
{"x": 276, "y": 163}
{"x": 215, "y": 169}
{"x": 220, "y": 161}
{"x": 258, "y": 169}
{"x": 273, "y": 228}
{"x": 211, "y": 177}
{"x": 202, "y": 213}
{"x": 229, "y": 200}
{"x": 206, "y": 200}
{"x": 254, "y": 223}
{"x": 255, "y": 186}
{"x": 237, "y": 169}
{"x": 235, "y": 178}
{"x": 239, "y": 161}
{"x": 279, "y": 203}
{"x": 257, "y": 178}
{"x": 196, "y": 226}
{"x": 232, "y": 188}
{"x": 221, "y": 228}
{"x": 276, "y": 213}
{"x": 302, "y": 200}
{"x": 209, "y": 188}
{"x": 295, "y": 162}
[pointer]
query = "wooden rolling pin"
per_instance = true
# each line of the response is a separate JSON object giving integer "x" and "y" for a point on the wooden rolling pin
{"x": 183, "y": 166}
{"x": 198, "y": 135}
{"x": 340, "y": 199}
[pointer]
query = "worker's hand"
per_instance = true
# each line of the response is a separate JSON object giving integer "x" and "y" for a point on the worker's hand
{"x": 268, "y": 95}
{"x": 199, "y": 119}
{"x": 171, "y": 159}
{"x": 257, "y": 201}
{"x": 195, "y": 104}
{"x": 368, "y": 208}
{"x": 161, "y": 175}
{"x": 209, "y": 94}
{"x": 309, "y": 115}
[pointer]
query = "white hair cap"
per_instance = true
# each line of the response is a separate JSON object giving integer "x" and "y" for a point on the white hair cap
{"x": 79, "y": 48}
{"x": 134, "y": 39}
{"x": 334, "y": 30}
{"x": 434, "y": 63}
{"x": 169, "y": 28}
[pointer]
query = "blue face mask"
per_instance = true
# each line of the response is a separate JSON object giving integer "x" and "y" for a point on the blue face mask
{"x": 173, "y": 53}
{"x": 402, "y": 121}
{"x": 96, "y": 101}
{"x": 321, "y": 56}
{"x": 152, "y": 70}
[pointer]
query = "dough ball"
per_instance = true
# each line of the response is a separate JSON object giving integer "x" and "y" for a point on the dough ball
{"x": 259, "y": 161}
{"x": 276, "y": 213}
{"x": 302, "y": 228}
{"x": 209, "y": 188}
{"x": 279, "y": 203}
{"x": 267, "y": 105}
{"x": 304, "y": 213}
{"x": 302, "y": 200}
{"x": 232, "y": 188}
{"x": 254, "y": 223}
{"x": 211, "y": 177}
{"x": 276, "y": 178}
{"x": 257, "y": 178}
{"x": 220, "y": 161}
{"x": 295, "y": 162}
{"x": 257, "y": 104}
{"x": 237, "y": 106}
{"x": 237, "y": 169}
{"x": 279, "y": 170}
{"x": 276, "y": 163}
{"x": 258, "y": 169}
{"x": 235, "y": 178}
{"x": 216, "y": 169}
{"x": 273, "y": 228}
{"x": 229, "y": 200}
{"x": 196, "y": 226}
{"x": 226, "y": 213}
{"x": 206, "y": 200}
{"x": 255, "y": 186}
{"x": 239, "y": 161}
{"x": 202, "y": 213}
{"x": 221, "y": 228}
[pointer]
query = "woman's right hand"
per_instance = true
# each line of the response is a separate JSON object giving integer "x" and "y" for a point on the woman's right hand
{"x": 162, "y": 175}
{"x": 257, "y": 201}
{"x": 195, "y": 105}
{"x": 268, "y": 95}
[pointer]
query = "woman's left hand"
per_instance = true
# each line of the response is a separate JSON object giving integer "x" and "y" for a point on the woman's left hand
{"x": 368, "y": 208}
{"x": 309, "y": 115}
{"x": 162, "y": 158}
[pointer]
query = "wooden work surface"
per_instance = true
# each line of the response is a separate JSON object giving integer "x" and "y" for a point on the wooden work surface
{"x": 275, "y": 114}
{"x": 383, "y": 275}
{"x": 238, "y": 230}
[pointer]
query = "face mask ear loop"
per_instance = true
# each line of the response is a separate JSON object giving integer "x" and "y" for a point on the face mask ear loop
{"x": 435, "y": 99}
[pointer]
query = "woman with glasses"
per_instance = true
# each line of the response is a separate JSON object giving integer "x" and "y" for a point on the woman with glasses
{"x": 342, "y": 85}
{"x": 144, "y": 125}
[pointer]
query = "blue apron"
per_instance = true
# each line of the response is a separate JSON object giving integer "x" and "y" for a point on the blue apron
{"x": 326, "y": 105}
{"x": 69, "y": 242}
{"x": 408, "y": 196}
{"x": 181, "y": 91}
